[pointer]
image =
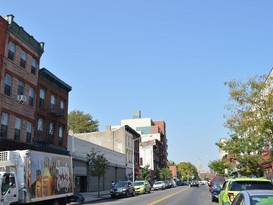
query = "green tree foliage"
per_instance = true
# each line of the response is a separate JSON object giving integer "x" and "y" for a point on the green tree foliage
{"x": 249, "y": 120}
{"x": 97, "y": 165}
{"x": 145, "y": 173}
{"x": 164, "y": 173}
{"x": 171, "y": 163}
{"x": 187, "y": 170}
{"x": 82, "y": 123}
{"x": 219, "y": 166}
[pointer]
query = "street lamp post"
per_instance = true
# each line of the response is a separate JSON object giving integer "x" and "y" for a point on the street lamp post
{"x": 134, "y": 157}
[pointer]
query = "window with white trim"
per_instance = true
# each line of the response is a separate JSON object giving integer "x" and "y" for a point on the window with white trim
{"x": 18, "y": 127}
{"x": 8, "y": 85}
{"x": 29, "y": 132}
{"x": 61, "y": 135}
{"x": 51, "y": 132}
{"x": 52, "y": 103}
{"x": 21, "y": 88}
{"x": 42, "y": 98}
{"x": 40, "y": 129}
{"x": 62, "y": 107}
{"x": 11, "y": 50}
{"x": 31, "y": 95}
{"x": 23, "y": 59}
{"x": 4, "y": 125}
{"x": 34, "y": 66}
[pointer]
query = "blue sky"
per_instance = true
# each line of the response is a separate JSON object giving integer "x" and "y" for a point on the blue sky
{"x": 169, "y": 59}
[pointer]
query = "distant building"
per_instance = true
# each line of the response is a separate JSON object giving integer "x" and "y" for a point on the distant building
{"x": 154, "y": 133}
{"x": 173, "y": 170}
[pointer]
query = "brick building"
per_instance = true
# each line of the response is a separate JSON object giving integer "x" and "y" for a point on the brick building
{"x": 20, "y": 85}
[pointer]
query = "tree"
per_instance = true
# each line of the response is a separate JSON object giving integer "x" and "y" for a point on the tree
{"x": 97, "y": 165}
{"x": 171, "y": 163}
{"x": 164, "y": 173}
{"x": 219, "y": 166}
{"x": 187, "y": 170}
{"x": 145, "y": 173}
{"x": 249, "y": 120}
{"x": 82, "y": 123}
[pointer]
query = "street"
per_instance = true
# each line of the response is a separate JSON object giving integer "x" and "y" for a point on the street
{"x": 181, "y": 195}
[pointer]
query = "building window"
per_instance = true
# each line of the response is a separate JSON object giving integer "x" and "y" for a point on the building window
{"x": 29, "y": 132}
{"x": 4, "y": 125}
{"x": 11, "y": 51}
{"x": 42, "y": 98}
{"x": 52, "y": 103}
{"x": 17, "y": 131}
{"x": 33, "y": 66}
{"x": 8, "y": 84}
{"x": 31, "y": 97}
{"x": 51, "y": 132}
{"x": 21, "y": 88}
{"x": 40, "y": 130}
{"x": 61, "y": 134}
{"x": 23, "y": 59}
{"x": 62, "y": 108}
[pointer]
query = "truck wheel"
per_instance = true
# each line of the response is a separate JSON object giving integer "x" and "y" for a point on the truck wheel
{"x": 56, "y": 203}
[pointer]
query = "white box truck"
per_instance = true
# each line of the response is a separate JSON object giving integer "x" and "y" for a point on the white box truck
{"x": 33, "y": 177}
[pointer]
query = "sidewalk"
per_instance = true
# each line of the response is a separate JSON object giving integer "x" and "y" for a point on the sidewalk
{"x": 93, "y": 196}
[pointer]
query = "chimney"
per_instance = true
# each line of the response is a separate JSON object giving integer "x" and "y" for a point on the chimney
{"x": 9, "y": 18}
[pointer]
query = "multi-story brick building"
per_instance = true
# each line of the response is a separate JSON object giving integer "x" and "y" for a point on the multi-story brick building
{"x": 20, "y": 85}
{"x": 52, "y": 106}
{"x": 20, "y": 57}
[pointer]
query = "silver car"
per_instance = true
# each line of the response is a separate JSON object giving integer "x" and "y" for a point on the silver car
{"x": 159, "y": 185}
{"x": 254, "y": 197}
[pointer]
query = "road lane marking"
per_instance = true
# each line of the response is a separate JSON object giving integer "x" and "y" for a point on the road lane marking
{"x": 166, "y": 197}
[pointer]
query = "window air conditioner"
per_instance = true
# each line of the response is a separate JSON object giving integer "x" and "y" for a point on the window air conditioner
{"x": 21, "y": 99}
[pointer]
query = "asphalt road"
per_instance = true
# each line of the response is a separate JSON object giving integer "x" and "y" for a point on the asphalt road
{"x": 181, "y": 195}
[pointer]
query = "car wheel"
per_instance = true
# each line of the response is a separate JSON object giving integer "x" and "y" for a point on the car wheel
{"x": 127, "y": 194}
{"x": 212, "y": 199}
{"x": 133, "y": 193}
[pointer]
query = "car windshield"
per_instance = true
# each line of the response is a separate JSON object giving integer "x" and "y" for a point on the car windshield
{"x": 138, "y": 183}
{"x": 249, "y": 185}
{"x": 159, "y": 182}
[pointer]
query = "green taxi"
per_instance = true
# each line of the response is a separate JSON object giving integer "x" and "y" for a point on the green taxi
{"x": 232, "y": 187}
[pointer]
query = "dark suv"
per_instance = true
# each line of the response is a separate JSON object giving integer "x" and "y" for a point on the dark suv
{"x": 123, "y": 188}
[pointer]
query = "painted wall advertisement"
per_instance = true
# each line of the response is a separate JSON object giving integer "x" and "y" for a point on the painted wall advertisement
{"x": 49, "y": 175}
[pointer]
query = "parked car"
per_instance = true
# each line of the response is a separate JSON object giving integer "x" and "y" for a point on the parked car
{"x": 168, "y": 183}
{"x": 173, "y": 183}
{"x": 142, "y": 187}
{"x": 159, "y": 185}
{"x": 216, "y": 178}
{"x": 123, "y": 188}
{"x": 215, "y": 190}
{"x": 254, "y": 197}
{"x": 194, "y": 183}
{"x": 232, "y": 187}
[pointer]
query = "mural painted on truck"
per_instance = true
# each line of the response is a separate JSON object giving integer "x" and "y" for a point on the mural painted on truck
{"x": 49, "y": 175}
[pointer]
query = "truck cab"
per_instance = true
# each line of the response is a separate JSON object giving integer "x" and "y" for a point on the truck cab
{"x": 9, "y": 188}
